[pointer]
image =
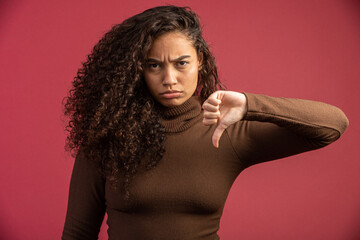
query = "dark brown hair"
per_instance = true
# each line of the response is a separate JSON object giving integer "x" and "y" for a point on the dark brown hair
{"x": 113, "y": 117}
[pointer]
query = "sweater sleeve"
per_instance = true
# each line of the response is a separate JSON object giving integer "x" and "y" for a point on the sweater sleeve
{"x": 86, "y": 204}
{"x": 274, "y": 128}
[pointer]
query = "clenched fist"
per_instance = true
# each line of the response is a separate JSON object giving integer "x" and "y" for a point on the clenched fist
{"x": 223, "y": 108}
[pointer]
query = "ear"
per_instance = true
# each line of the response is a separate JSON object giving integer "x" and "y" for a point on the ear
{"x": 200, "y": 59}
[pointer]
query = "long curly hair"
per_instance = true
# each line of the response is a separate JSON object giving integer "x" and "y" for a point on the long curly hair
{"x": 113, "y": 119}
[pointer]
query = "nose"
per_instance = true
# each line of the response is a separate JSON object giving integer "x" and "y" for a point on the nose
{"x": 169, "y": 77}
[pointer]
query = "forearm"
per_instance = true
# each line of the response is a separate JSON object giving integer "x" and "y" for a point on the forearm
{"x": 311, "y": 119}
{"x": 275, "y": 128}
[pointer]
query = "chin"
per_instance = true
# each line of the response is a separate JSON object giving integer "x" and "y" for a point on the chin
{"x": 171, "y": 102}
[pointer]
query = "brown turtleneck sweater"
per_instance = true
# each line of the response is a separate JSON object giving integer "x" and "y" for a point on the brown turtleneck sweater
{"x": 184, "y": 195}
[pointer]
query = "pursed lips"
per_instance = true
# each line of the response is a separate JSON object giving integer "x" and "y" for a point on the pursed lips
{"x": 171, "y": 94}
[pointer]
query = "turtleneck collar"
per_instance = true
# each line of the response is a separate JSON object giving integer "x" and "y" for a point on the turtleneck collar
{"x": 179, "y": 118}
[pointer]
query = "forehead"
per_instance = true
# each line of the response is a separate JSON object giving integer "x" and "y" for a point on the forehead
{"x": 172, "y": 44}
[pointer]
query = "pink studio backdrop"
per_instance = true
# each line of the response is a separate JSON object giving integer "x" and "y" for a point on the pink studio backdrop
{"x": 304, "y": 49}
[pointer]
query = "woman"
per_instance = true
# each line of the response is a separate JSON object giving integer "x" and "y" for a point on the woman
{"x": 160, "y": 143}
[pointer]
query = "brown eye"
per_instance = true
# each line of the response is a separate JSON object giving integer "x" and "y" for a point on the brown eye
{"x": 153, "y": 65}
{"x": 182, "y": 63}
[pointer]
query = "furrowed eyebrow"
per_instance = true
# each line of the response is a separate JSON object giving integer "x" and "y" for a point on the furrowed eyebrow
{"x": 173, "y": 60}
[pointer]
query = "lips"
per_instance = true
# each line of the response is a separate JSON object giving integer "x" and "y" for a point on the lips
{"x": 171, "y": 94}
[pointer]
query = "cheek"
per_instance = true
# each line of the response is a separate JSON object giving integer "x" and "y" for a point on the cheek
{"x": 193, "y": 75}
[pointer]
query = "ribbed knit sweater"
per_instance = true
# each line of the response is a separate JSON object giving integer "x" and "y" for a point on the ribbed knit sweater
{"x": 184, "y": 195}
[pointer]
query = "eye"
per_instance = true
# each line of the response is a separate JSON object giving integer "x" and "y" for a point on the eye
{"x": 153, "y": 65}
{"x": 182, "y": 63}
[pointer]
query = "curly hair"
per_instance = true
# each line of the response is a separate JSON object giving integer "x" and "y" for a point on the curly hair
{"x": 113, "y": 119}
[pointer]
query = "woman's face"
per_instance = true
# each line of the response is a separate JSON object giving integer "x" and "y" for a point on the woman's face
{"x": 171, "y": 71}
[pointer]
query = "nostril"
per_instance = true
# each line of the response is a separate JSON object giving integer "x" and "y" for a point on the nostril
{"x": 169, "y": 80}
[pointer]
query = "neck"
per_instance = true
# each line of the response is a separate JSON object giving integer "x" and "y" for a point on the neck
{"x": 181, "y": 117}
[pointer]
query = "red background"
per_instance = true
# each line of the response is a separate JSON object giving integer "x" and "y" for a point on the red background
{"x": 304, "y": 49}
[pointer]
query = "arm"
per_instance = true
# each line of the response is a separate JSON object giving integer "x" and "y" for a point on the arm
{"x": 281, "y": 127}
{"x": 314, "y": 120}
{"x": 274, "y": 128}
{"x": 86, "y": 205}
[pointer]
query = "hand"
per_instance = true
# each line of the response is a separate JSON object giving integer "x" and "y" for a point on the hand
{"x": 223, "y": 108}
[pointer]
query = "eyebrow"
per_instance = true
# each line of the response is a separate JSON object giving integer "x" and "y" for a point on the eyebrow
{"x": 173, "y": 60}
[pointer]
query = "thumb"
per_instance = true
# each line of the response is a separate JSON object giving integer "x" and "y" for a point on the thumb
{"x": 217, "y": 135}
